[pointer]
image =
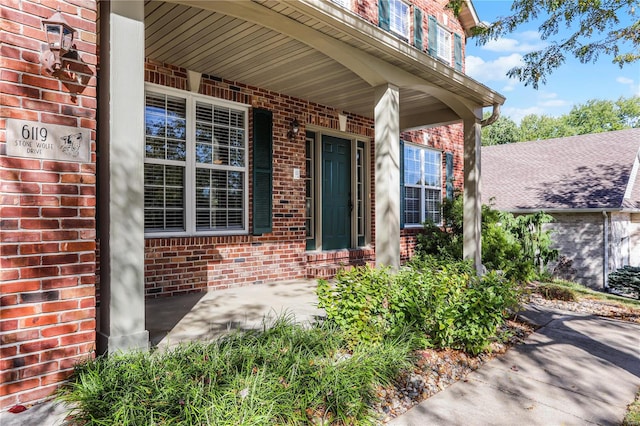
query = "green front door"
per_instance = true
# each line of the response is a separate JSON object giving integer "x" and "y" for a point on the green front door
{"x": 336, "y": 193}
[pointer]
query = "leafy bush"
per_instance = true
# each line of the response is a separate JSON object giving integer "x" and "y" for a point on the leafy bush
{"x": 440, "y": 303}
{"x": 456, "y": 308}
{"x": 626, "y": 280}
{"x": 517, "y": 246}
{"x": 285, "y": 374}
{"x": 358, "y": 303}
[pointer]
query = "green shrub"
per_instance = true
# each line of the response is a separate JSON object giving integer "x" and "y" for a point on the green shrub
{"x": 359, "y": 303}
{"x": 626, "y": 280}
{"x": 456, "y": 308}
{"x": 440, "y": 303}
{"x": 516, "y": 246}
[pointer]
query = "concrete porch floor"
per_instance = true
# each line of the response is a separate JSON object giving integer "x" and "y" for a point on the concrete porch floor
{"x": 205, "y": 316}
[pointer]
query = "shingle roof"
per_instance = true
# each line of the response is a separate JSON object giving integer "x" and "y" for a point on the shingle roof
{"x": 578, "y": 172}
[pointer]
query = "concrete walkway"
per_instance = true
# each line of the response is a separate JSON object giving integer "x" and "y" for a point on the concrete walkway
{"x": 575, "y": 370}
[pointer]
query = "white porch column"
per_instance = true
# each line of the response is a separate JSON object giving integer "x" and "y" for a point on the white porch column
{"x": 387, "y": 175}
{"x": 472, "y": 216}
{"x": 121, "y": 182}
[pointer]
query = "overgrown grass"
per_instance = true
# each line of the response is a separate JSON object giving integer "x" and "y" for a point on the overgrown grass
{"x": 283, "y": 374}
{"x": 582, "y": 291}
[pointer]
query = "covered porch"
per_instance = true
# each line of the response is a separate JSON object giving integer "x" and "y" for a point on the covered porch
{"x": 312, "y": 50}
{"x": 206, "y": 316}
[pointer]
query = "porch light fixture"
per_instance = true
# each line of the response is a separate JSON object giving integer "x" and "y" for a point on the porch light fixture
{"x": 59, "y": 41}
{"x": 294, "y": 128}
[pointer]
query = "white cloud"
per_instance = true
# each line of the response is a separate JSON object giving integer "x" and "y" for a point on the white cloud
{"x": 524, "y": 42}
{"x": 624, "y": 80}
{"x": 553, "y": 103}
{"x": 634, "y": 88}
{"x": 494, "y": 70}
{"x": 550, "y": 100}
{"x": 517, "y": 114}
{"x": 547, "y": 95}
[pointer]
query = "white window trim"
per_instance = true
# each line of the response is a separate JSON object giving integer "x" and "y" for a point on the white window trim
{"x": 190, "y": 172}
{"x": 343, "y": 3}
{"x": 406, "y": 20}
{"x": 423, "y": 212}
{"x": 444, "y": 43}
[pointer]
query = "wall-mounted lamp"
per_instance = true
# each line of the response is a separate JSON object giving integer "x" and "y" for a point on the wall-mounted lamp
{"x": 294, "y": 128}
{"x": 59, "y": 41}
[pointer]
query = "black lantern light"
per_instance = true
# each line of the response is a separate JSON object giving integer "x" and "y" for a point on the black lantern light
{"x": 294, "y": 128}
{"x": 59, "y": 41}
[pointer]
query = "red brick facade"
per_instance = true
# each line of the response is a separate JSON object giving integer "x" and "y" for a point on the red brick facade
{"x": 47, "y": 208}
{"x": 48, "y": 246}
{"x": 191, "y": 264}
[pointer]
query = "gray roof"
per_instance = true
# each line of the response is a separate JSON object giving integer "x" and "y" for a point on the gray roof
{"x": 592, "y": 171}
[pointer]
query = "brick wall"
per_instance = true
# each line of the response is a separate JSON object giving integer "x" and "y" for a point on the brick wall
{"x": 446, "y": 139}
{"x": 183, "y": 265}
{"x": 191, "y": 264}
{"x": 47, "y": 208}
{"x": 368, "y": 10}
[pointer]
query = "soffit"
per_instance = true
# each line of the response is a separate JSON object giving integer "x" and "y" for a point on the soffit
{"x": 217, "y": 44}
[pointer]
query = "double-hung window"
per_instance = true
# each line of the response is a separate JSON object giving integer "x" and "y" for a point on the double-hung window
{"x": 195, "y": 170}
{"x": 399, "y": 18}
{"x": 422, "y": 185}
{"x": 444, "y": 44}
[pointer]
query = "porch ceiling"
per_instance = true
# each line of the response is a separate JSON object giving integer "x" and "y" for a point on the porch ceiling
{"x": 258, "y": 43}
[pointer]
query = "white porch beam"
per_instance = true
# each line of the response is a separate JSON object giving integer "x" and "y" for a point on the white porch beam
{"x": 387, "y": 175}
{"x": 472, "y": 215}
{"x": 426, "y": 118}
{"x": 121, "y": 182}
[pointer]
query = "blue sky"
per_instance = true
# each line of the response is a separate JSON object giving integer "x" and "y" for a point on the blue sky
{"x": 573, "y": 83}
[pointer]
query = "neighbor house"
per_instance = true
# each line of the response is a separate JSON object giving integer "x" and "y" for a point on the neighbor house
{"x": 591, "y": 186}
{"x": 158, "y": 148}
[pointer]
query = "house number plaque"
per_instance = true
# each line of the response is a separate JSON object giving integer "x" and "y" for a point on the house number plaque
{"x": 32, "y": 139}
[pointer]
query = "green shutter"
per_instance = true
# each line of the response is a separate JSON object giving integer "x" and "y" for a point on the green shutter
{"x": 418, "y": 32}
{"x": 262, "y": 170}
{"x": 402, "y": 196}
{"x": 384, "y": 15}
{"x": 449, "y": 175}
{"x": 457, "y": 51}
{"x": 433, "y": 36}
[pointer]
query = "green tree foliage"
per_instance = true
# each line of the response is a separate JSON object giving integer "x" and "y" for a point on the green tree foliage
{"x": 534, "y": 127}
{"x": 594, "y": 116}
{"x": 629, "y": 111}
{"x": 518, "y": 246}
{"x": 598, "y": 116}
{"x": 595, "y": 29}
{"x": 503, "y": 130}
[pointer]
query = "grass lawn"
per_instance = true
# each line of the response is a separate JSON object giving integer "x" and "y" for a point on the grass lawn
{"x": 578, "y": 291}
{"x": 633, "y": 414}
